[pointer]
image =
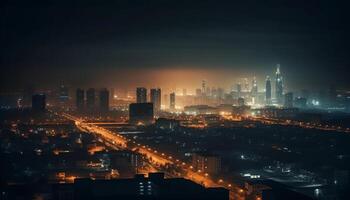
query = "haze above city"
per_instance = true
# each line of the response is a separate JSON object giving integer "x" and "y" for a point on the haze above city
{"x": 174, "y": 100}
{"x": 173, "y": 43}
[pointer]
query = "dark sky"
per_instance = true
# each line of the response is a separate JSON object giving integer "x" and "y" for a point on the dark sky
{"x": 82, "y": 42}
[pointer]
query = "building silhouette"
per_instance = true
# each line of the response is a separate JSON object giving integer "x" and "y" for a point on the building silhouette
{"x": 268, "y": 91}
{"x": 156, "y": 99}
{"x": 104, "y": 100}
{"x": 141, "y": 95}
{"x": 80, "y": 99}
{"x": 288, "y": 100}
{"x": 172, "y": 101}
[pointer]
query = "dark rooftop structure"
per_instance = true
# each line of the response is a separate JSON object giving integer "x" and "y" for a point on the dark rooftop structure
{"x": 154, "y": 187}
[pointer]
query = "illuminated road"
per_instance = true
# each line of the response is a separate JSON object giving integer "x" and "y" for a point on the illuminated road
{"x": 306, "y": 125}
{"x": 156, "y": 159}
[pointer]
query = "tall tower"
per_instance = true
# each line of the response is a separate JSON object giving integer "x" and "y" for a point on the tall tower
{"x": 279, "y": 86}
{"x": 141, "y": 95}
{"x": 172, "y": 101}
{"x": 239, "y": 90}
{"x": 254, "y": 90}
{"x": 268, "y": 91}
{"x": 80, "y": 102}
{"x": 156, "y": 99}
{"x": 63, "y": 93}
{"x": 104, "y": 100}
{"x": 203, "y": 88}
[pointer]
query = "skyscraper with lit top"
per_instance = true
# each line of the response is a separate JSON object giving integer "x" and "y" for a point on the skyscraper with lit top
{"x": 279, "y": 86}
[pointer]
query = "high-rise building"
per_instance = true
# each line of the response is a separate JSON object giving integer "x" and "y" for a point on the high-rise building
{"x": 203, "y": 87}
{"x": 63, "y": 93}
{"x": 254, "y": 91}
{"x": 279, "y": 86}
{"x": 268, "y": 91}
{"x": 239, "y": 89}
{"x": 141, "y": 95}
{"x": 245, "y": 85}
{"x": 80, "y": 102}
{"x": 104, "y": 100}
{"x": 156, "y": 99}
{"x": 39, "y": 102}
{"x": 172, "y": 101}
{"x": 288, "y": 100}
{"x": 90, "y": 99}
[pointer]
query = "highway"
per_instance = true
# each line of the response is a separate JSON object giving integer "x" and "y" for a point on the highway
{"x": 157, "y": 159}
{"x": 306, "y": 125}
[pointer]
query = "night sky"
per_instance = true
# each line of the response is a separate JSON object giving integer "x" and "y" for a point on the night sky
{"x": 140, "y": 42}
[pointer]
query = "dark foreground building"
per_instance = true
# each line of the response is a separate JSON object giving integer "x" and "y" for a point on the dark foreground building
{"x": 141, "y": 113}
{"x": 153, "y": 187}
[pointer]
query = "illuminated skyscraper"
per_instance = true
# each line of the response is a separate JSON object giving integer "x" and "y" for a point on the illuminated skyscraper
{"x": 90, "y": 99}
{"x": 156, "y": 99}
{"x": 172, "y": 101}
{"x": 254, "y": 91}
{"x": 104, "y": 100}
{"x": 268, "y": 91}
{"x": 80, "y": 99}
{"x": 279, "y": 86}
{"x": 245, "y": 84}
{"x": 141, "y": 95}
